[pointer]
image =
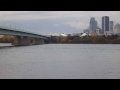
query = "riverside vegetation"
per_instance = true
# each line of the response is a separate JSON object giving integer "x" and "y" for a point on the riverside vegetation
{"x": 113, "y": 39}
{"x": 6, "y": 39}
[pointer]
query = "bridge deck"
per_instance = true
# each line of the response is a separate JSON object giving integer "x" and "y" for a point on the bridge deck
{"x": 7, "y": 31}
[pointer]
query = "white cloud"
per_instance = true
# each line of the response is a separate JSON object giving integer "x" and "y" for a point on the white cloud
{"x": 77, "y": 25}
{"x": 34, "y": 15}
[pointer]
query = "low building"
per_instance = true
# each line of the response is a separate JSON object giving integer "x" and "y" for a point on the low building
{"x": 77, "y": 34}
{"x": 84, "y": 34}
{"x": 63, "y": 35}
{"x": 101, "y": 32}
{"x": 97, "y": 31}
{"x": 117, "y": 29}
{"x": 69, "y": 35}
{"x": 55, "y": 34}
{"x": 86, "y": 31}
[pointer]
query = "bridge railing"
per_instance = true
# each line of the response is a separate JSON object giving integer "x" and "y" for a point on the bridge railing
{"x": 17, "y": 27}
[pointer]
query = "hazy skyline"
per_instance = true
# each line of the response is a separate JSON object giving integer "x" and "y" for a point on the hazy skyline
{"x": 58, "y": 21}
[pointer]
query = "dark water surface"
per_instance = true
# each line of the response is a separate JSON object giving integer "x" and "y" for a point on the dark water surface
{"x": 60, "y": 61}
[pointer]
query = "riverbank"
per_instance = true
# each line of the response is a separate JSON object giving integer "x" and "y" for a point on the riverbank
{"x": 5, "y": 44}
{"x": 114, "y": 39}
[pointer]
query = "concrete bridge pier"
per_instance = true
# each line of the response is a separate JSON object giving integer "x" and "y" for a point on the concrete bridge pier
{"x": 21, "y": 41}
{"x": 25, "y": 41}
{"x": 37, "y": 41}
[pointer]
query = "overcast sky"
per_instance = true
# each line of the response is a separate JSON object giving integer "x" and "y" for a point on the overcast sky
{"x": 57, "y": 21}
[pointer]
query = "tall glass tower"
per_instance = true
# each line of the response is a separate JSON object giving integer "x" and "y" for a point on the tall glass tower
{"x": 93, "y": 24}
{"x": 111, "y": 26}
{"x": 105, "y": 24}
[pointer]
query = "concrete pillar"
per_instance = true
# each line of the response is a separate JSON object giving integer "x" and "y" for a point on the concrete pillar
{"x": 25, "y": 41}
{"x": 21, "y": 41}
{"x": 38, "y": 41}
{"x": 32, "y": 41}
{"x": 17, "y": 41}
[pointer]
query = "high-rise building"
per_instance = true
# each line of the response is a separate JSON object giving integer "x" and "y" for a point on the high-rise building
{"x": 117, "y": 29}
{"x": 93, "y": 24}
{"x": 105, "y": 24}
{"x": 96, "y": 24}
{"x": 101, "y": 32}
{"x": 111, "y": 26}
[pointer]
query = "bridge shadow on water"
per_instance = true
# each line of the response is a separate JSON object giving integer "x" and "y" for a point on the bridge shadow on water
{"x": 4, "y": 47}
{"x": 7, "y": 47}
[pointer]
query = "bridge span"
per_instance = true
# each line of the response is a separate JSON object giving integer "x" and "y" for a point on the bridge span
{"x": 23, "y": 37}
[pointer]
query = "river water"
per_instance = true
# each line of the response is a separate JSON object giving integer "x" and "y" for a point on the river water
{"x": 60, "y": 61}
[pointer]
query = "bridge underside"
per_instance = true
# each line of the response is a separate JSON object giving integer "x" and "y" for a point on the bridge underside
{"x": 21, "y": 33}
{"x": 25, "y": 41}
{"x": 23, "y": 38}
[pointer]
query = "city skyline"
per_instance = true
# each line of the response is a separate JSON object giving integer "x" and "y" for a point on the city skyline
{"x": 58, "y": 21}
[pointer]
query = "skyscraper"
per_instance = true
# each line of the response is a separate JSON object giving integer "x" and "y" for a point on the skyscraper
{"x": 111, "y": 26}
{"x": 105, "y": 24}
{"x": 93, "y": 24}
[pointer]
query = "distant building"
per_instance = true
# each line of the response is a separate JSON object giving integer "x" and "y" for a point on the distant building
{"x": 55, "y": 34}
{"x": 111, "y": 26}
{"x": 93, "y": 25}
{"x": 64, "y": 35}
{"x": 101, "y": 32}
{"x": 86, "y": 31}
{"x": 98, "y": 31}
{"x": 117, "y": 29}
{"x": 105, "y": 25}
{"x": 77, "y": 34}
{"x": 84, "y": 34}
{"x": 69, "y": 35}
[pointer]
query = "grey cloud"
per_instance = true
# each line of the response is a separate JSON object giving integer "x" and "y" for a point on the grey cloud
{"x": 68, "y": 21}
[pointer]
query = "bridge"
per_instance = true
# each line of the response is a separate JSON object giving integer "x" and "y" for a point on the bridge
{"x": 23, "y": 35}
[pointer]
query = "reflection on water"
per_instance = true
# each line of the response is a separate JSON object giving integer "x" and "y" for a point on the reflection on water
{"x": 4, "y": 45}
{"x": 60, "y": 61}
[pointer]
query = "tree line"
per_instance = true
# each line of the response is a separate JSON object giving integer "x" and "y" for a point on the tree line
{"x": 6, "y": 39}
{"x": 113, "y": 39}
